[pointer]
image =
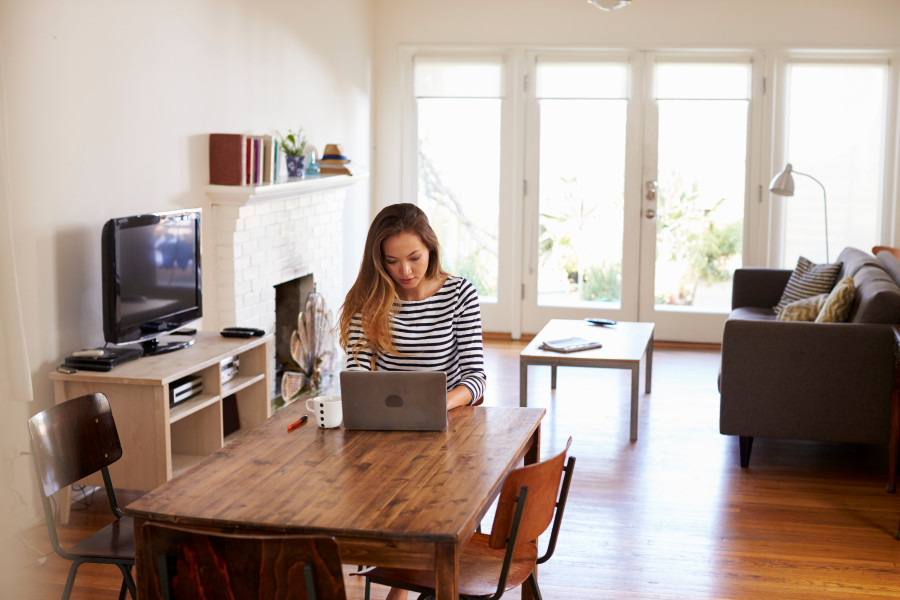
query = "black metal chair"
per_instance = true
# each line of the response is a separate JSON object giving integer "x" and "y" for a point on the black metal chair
{"x": 71, "y": 441}
{"x": 491, "y": 564}
{"x": 185, "y": 564}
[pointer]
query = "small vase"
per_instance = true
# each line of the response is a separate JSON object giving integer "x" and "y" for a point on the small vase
{"x": 295, "y": 165}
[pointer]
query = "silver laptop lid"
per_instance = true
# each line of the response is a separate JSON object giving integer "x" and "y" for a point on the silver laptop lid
{"x": 394, "y": 400}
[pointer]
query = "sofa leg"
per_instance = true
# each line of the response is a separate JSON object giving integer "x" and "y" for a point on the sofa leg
{"x": 746, "y": 446}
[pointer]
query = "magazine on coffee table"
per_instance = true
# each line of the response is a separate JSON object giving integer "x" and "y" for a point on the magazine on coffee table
{"x": 572, "y": 344}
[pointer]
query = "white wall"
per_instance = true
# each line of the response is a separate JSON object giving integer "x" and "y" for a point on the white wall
{"x": 652, "y": 24}
{"x": 107, "y": 109}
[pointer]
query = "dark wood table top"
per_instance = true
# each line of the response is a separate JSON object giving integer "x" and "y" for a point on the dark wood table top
{"x": 429, "y": 487}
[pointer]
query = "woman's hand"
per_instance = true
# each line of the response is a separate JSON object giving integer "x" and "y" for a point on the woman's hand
{"x": 458, "y": 396}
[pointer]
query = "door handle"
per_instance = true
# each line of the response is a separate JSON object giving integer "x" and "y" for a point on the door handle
{"x": 650, "y": 213}
{"x": 651, "y": 190}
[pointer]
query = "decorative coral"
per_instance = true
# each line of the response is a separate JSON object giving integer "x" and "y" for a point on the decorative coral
{"x": 312, "y": 350}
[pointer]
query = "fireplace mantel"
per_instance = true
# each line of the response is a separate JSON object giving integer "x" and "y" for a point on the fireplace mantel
{"x": 241, "y": 195}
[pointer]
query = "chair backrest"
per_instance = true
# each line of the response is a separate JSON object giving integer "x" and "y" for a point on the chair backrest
{"x": 543, "y": 482}
{"x": 190, "y": 563}
{"x": 73, "y": 440}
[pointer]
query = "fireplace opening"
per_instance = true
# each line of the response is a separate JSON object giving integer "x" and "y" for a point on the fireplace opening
{"x": 290, "y": 299}
{"x": 320, "y": 361}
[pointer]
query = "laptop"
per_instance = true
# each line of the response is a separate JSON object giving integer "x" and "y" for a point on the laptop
{"x": 394, "y": 400}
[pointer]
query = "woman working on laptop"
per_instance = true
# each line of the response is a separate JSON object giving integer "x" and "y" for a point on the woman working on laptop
{"x": 405, "y": 313}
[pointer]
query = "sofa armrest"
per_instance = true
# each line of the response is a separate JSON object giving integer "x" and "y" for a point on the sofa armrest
{"x": 758, "y": 286}
{"x": 809, "y": 381}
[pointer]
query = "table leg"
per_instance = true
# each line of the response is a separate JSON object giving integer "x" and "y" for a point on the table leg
{"x": 523, "y": 383}
{"x": 446, "y": 572}
{"x": 649, "y": 353}
{"x": 553, "y": 377}
{"x": 635, "y": 384}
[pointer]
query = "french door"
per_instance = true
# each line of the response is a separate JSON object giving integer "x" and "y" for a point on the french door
{"x": 637, "y": 170}
{"x": 569, "y": 185}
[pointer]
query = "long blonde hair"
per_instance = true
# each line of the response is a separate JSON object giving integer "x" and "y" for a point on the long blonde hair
{"x": 373, "y": 294}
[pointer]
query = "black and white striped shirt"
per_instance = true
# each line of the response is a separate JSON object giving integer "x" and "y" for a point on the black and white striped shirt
{"x": 440, "y": 333}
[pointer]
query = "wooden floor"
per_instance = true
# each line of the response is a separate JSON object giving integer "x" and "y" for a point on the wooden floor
{"x": 671, "y": 515}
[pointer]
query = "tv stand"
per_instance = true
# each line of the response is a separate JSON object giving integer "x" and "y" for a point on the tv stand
{"x": 153, "y": 347}
{"x": 158, "y": 440}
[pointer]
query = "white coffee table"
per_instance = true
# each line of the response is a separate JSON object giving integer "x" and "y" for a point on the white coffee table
{"x": 624, "y": 345}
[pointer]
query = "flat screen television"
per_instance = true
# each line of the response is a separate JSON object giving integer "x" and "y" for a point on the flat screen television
{"x": 151, "y": 278}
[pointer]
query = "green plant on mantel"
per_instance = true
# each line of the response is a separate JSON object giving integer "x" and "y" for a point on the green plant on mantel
{"x": 294, "y": 143}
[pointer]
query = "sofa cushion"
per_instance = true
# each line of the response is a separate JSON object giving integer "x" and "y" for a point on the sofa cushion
{"x": 836, "y": 308}
{"x": 808, "y": 279}
{"x": 805, "y": 309}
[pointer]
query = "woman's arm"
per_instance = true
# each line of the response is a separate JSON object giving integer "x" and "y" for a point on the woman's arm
{"x": 459, "y": 396}
{"x": 470, "y": 348}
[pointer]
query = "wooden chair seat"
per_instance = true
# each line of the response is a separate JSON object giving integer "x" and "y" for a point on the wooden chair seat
{"x": 479, "y": 570}
{"x": 115, "y": 541}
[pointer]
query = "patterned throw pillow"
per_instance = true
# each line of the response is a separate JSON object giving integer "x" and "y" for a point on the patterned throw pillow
{"x": 805, "y": 309}
{"x": 836, "y": 308}
{"x": 807, "y": 280}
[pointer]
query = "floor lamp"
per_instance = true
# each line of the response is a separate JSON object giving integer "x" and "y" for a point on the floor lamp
{"x": 783, "y": 185}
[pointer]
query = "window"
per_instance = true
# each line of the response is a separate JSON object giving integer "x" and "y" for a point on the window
{"x": 836, "y": 124}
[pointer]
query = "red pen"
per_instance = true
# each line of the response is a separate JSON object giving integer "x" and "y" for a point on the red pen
{"x": 298, "y": 423}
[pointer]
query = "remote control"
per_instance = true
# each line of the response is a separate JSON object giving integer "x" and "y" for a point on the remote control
{"x": 236, "y": 334}
{"x": 600, "y": 322}
{"x": 88, "y": 353}
{"x": 251, "y": 330}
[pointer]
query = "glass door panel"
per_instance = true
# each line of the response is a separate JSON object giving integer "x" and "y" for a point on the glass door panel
{"x": 702, "y": 173}
{"x": 581, "y": 196}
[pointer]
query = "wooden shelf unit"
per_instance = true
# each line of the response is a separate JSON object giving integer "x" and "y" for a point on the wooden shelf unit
{"x": 159, "y": 442}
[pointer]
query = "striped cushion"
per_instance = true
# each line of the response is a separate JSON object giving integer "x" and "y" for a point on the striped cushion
{"x": 807, "y": 280}
{"x": 805, "y": 309}
{"x": 836, "y": 308}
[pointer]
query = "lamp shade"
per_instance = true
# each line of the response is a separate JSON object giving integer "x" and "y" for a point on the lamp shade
{"x": 609, "y": 4}
{"x": 783, "y": 183}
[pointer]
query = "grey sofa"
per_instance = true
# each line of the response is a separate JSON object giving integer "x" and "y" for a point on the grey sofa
{"x": 805, "y": 380}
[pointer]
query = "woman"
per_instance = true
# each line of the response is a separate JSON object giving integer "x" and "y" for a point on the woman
{"x": 405, "y": 313}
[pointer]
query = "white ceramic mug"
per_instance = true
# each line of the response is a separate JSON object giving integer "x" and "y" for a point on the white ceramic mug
{"x": 326, "y": 410}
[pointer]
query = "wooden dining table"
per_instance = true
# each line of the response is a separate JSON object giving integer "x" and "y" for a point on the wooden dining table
{"x": 390, "y": 498}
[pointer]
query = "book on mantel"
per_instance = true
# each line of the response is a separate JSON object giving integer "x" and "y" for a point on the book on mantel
{"x": 227, "y": 158}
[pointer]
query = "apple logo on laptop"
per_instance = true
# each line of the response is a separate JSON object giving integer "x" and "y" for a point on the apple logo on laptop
{"x": 394, "y": 401}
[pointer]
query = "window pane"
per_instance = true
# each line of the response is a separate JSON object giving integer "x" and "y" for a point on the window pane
{"x": 582, "y": 178}
{"x": 459, "y": 184}
{"x": 702, "y": 181}
{"x": 836, "y": 125}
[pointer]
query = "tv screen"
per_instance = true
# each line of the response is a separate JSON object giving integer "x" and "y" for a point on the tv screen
{"x": 151, "y": 277}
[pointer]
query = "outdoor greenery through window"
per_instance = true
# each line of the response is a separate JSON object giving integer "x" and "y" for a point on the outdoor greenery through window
{"x": 458, "y": 104}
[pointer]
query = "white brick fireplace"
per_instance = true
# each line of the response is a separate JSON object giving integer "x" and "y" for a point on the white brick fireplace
{"x": 255, "y": 237}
